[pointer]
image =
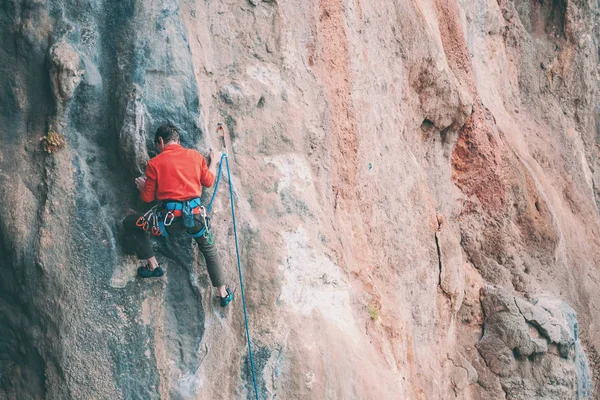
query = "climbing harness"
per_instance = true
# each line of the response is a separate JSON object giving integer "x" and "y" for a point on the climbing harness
{"x": 237, "y": 251}
{"x": 183, "y": 207}
{"x": 157, "y": 218}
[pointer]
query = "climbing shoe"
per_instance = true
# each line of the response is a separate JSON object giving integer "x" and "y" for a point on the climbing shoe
{"x": 227, "y": 299}
{"x": 146, "y": 272}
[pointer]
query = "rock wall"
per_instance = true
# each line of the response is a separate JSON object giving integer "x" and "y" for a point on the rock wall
{"x": 415, "y": 185}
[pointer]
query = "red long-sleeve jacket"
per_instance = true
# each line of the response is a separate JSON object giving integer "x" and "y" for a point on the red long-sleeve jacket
{"x": 176, "y": 174}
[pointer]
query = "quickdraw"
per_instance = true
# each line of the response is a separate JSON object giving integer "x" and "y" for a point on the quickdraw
{"x": 207, "y": 233}
{"x": 143, "y": 221}
{"x": 156, "y": 231}
{"x": 222, "y": 137}
{"x": 151, "y": 215}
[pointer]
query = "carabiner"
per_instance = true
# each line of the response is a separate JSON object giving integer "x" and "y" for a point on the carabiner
{"x": 222, "y": 137}
{"x": 156, "y": 231}
{"x": 169, "y": 217}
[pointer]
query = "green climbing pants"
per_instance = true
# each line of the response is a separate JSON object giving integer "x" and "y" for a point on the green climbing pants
{"x": 143, "y": 247}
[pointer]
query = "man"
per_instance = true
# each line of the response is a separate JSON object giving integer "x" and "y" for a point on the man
{"x": 175, "y": 178}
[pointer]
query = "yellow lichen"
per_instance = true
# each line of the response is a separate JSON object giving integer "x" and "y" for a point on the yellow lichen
{"x": 53, "y": 141}
{"x": 374, "y": 313}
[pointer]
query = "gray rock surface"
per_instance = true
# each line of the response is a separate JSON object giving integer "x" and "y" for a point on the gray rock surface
{"x": 533, "y": 348}
{"x": 416, "y": 187}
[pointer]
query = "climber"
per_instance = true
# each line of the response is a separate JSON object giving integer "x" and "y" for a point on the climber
{"x": 175, "y": 178}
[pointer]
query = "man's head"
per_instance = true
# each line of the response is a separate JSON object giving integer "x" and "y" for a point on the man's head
{"x": 166, "y": 134}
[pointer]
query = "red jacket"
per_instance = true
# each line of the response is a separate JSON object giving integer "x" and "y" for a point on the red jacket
{"x": 176, "y": 174}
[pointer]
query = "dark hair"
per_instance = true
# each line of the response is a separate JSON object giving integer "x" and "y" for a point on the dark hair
{"x": 167, "y": 132}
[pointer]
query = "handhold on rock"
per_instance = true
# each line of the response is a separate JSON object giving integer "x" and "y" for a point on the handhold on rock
{"x": 65, "y": 71}
{"x": 241, "y": 97}
{"x": 518, "y": 339}
{"x": 132, "y": 139}
{"x": 232, "y": 94}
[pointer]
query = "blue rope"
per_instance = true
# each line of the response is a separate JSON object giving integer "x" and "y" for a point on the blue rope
{"x": 237, "y": 252}
{"x": 217, "y": 182}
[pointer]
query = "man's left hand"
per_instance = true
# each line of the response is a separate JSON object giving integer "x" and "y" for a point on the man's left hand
{"x": 140, "y": 183}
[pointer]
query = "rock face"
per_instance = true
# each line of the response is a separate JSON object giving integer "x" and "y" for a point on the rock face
{"x": 532, "y": 349}
{"x": 416, "y": 187}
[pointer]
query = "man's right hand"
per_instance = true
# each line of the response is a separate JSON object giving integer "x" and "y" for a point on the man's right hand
{"x": 214, "y": 157}
{"x": 140, "y": 183}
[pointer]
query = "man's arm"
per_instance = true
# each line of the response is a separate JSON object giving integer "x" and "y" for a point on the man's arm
{"x": 213, "y": 161}
{"x": 207, "y": 178}
{"x": 147, "y": 186}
